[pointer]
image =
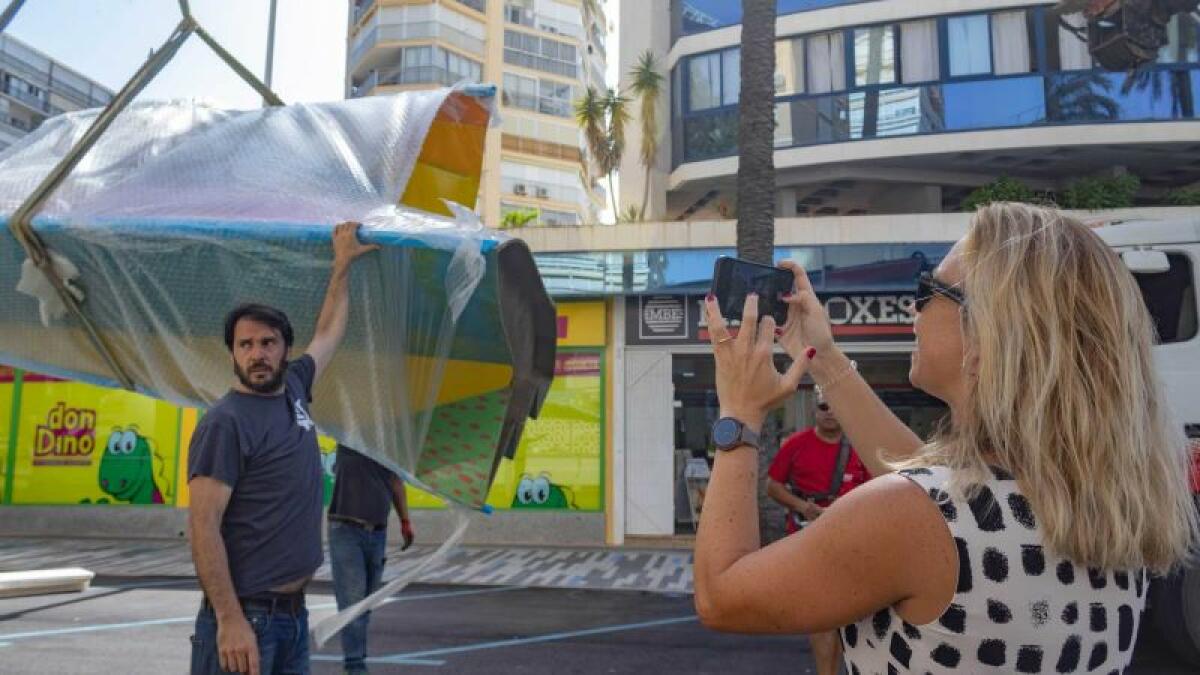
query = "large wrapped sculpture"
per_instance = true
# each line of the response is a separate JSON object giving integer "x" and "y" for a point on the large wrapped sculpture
{"x": 181, "y": 211}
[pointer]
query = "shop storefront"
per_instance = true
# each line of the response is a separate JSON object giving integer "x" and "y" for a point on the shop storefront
{"x": 68, "y": 443}
{"x": 671, "y": 401}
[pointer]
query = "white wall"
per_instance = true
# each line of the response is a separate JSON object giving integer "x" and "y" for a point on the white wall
{"x": 649, "y": 440}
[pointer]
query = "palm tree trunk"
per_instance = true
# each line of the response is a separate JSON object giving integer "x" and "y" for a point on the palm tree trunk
{"x": 645, "y": 196}
{"x": 756, "y": 182}
{"x": 756, "y": 133}
{"x": 612, "y": 197}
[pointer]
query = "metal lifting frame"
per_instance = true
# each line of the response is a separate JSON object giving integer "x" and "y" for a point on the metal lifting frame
{"x": 21, "y": 220}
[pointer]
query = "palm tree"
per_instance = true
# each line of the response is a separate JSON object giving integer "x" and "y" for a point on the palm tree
{"x": 756, "y": 132}
{"x": 602, "y": 118}
{"x": 647, "y": 86}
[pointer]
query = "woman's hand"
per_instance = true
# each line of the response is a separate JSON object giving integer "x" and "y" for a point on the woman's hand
{"x": 748, "y": 384}
{"x": 807, "y": 323}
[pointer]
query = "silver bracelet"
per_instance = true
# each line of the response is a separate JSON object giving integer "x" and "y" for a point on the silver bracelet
{"x": 822, "y": 390}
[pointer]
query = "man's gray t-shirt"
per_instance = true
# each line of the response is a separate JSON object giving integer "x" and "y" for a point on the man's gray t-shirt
{"x": 265, "y": 448}
{"x": 362, "y": 488}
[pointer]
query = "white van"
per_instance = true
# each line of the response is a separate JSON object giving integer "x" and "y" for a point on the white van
{"x": 1164, "y": 257}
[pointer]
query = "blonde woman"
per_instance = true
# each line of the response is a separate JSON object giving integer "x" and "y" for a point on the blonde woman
{"x": 1020, "y": 538}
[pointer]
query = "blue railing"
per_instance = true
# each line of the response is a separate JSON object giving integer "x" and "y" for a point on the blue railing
{"x": 1161, "y": 94}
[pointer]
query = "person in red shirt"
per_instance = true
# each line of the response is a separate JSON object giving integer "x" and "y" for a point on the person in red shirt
{"x": 800, "y": 478}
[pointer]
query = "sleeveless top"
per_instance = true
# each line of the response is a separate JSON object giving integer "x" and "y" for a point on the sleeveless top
{"x": 1018, "y": 608}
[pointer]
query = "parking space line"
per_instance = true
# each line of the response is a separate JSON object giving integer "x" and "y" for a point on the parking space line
{"x": 54, "y": 632}
{"x": 551, "y": 637}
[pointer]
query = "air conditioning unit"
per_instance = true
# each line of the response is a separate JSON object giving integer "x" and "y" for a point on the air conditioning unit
{"x": 519, "y": 189}
{"x": 543, "y": 193}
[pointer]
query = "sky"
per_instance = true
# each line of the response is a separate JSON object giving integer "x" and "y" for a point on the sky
{"x": 107, "y": 40}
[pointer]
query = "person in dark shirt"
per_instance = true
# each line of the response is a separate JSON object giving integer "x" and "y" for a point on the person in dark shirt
{"x": 254, "y": 472}
{"x": 363, "y": 494}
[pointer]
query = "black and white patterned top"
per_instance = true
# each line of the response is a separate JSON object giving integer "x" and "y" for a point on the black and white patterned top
{"x": 1018, "y": 608}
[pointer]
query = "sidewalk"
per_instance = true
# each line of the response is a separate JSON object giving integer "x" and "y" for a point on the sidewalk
{"x": 598, "y": 569}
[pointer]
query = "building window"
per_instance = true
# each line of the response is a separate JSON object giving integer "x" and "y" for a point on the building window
{"x": 704, "y": 86}
{"x": 970, "y": 45}
{"x": 1065, "y": 49}
{"x": 520, "y": 92}
{"x": 919, "y": 57}
{"x": 544, "y": 96}
{"x": 1183, "y": 40}
{"x": 538, "y": 182}
{"x": 789, "y": 67}
{"x": 539, "y": 53}
{"x": 874, "y": 55}
{"x": 552, "y": 218}
{"x": 1012, "y": 51}
{"x": 826, "y": 63}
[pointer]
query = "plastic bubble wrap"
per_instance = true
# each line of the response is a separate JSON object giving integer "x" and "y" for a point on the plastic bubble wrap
{"x": 182, "y": 211}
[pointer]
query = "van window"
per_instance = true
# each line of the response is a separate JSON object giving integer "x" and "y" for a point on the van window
{"x": 1171, "y": 298}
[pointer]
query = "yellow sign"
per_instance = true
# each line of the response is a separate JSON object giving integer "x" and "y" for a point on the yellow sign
{"x": 582, "y": 324}
{"x": 559, "y": 463}
{"x": 6, "y": 394}
{"x": 76, "y": 443}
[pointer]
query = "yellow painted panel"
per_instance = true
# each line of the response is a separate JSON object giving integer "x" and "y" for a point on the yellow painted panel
{"x": 77, "y": 443}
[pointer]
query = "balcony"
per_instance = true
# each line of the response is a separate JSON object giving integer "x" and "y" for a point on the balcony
{"x": 361, "y": 9}
{"x": 420, "y": 30}
{"x": 477, "y": 5}
{"x": 531, "y": 19}
{"x": 532, "y": 146}
{"x": 366, "y": 85}
{"x": 421, "y": 75}
{"x": 1165, "y": 93}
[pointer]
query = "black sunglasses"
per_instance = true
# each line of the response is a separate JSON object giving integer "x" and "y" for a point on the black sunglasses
{"x": 929, "y": 286}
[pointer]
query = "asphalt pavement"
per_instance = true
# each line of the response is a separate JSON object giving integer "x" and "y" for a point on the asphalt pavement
{"x": 141, "y": 625}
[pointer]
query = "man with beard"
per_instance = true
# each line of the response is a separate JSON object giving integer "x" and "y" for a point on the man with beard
{"x": 254, "y": 471}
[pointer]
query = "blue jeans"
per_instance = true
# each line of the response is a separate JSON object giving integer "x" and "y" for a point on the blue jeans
{"x": 356, "y": 557}
{"x": 282, "y": 642}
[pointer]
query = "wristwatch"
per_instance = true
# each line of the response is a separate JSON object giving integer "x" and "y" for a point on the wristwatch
{"x": 729, "y": 433}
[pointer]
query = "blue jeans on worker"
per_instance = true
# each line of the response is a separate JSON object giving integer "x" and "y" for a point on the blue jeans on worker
{"x": 282, "y": 641}
{"x": 356, "y": 556}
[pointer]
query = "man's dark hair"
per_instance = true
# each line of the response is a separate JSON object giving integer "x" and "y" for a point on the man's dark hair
{"x": 263, "y": 314}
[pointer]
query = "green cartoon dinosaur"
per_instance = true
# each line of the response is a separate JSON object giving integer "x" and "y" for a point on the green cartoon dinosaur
{"x": 540, "y": 493}
{"x": 127, "y": 468}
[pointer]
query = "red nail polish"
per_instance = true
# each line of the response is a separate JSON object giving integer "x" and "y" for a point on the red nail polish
{"x": 778, "y": 332}
{"x": 786, "y": 296}
{"x": 810, "y": 352}
{"x": 710, "y": 297}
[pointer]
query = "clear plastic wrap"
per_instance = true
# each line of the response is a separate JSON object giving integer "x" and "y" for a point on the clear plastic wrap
{"x": 182, "y": 211}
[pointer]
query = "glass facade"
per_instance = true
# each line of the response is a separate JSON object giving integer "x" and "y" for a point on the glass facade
{"x": 689, "y": 17}
{"x": 1016, "y": 68}
{"x": 851, "y": 267}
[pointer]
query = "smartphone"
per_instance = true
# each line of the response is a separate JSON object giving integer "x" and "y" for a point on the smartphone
{"x": 734, "y": 279}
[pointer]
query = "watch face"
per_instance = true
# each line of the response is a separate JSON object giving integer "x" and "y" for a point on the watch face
{"x": 726, "y": 432}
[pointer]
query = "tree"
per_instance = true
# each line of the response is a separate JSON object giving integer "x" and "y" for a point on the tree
{"x": 602, "y": 118}
{"x": 647, "y": 87}
{"x": 518, "y": 219}
{"x": 756, "y": 180}
{"x": 756, "y": 133}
